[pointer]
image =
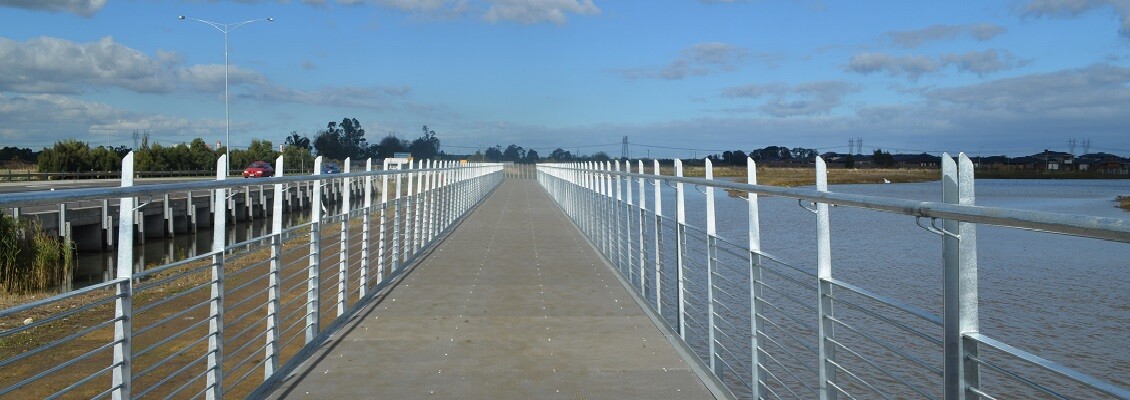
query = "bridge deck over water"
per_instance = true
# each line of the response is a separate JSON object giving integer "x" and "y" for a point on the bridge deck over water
{"x": 514, "y": 303}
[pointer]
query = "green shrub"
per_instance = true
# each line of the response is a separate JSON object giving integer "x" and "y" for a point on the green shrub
{"x": 31, "y": 260}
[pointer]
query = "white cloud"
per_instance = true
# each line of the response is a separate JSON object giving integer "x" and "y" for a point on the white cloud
{"x": 914, "y": 67}
{"x": 210, "y": 77}
{"x": 807, "y": 99}
{"x": 698, "y": 60}
{"x": 534, "y": 11}
{"x": 84, "y": 8}
{"x": 915, "y": 38}
{"x": 51, "y": 65}
{"x": 1073, "y": 8}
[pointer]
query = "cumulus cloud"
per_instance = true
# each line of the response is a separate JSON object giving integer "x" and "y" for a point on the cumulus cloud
{"x": 913, "y": 67}
{"x": 915, "y": 38}
{"x": 1073, "y": 8}
{"x": 52, "y": 65}
{"x": 698, "y": 60}
{"x": 84, "y": 8}
{"x": 812, "y": 98}
{"x": 534, "y": 11}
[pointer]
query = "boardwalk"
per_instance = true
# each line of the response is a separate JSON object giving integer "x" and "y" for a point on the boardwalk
{"x": 515, "y": 304}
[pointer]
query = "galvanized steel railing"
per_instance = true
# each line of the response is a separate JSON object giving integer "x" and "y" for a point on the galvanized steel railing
{"x": 768, "y": 328}
{"x": 231, "y": 321}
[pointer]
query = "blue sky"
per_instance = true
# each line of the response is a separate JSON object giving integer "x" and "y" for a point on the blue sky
{"x": 679, "y": 78}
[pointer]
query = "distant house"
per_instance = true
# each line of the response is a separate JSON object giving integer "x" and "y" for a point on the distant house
{"x": 1054, "y": 160}
{"x": 917, "y": 160}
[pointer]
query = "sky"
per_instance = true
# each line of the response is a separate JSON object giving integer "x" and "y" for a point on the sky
{"x": 678, "y": 78}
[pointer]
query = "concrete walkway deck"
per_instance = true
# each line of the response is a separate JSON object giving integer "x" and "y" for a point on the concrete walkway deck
{"x": 514, "y": 304}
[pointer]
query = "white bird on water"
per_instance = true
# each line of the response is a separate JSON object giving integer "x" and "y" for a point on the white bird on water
{"x": 885, "y": 180}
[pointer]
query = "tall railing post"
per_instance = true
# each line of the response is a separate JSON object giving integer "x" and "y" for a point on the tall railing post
{"x": 381, "y": 227}
{"x": 366, "y": 220}
{"x": 627, "y": 218}
{"x": 609, "y": 210}
{"x": 343, "y": 249}
{"x": 824, "y": 275}
{"x": 959, "y": 257}
{"x": 314, "y": 273}
{"x": 711, "y": 266}
{"x": 681, "y": 246}
{"x": 658, "y": 238}
{"x": 397, "y": 217}
{"x": 274, "y": 291}
{"x": 617, "y": 216}
{"x": 418, "y": 209}
{"x": 123, "y": 306}
{"x": 754, "y": 234}
{"x": 215, "y": 375}
{"x": 639, "y": 229}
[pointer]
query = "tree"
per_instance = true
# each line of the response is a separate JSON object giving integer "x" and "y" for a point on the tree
{"x": 601, "y": 156}
{"x": 559, "y": 154}
{"x": 297, "y": 140}
{"x": 883, "y": 158}
{"x": 532, "y": 156}
{"x": 513, "y": 153}
{"x": 494, "y": 153}
{"x": 849, "y": 161}
{"x": 425, "y": 147}
{"x": 343, "y": 140}
{"x": 388, "y": 146}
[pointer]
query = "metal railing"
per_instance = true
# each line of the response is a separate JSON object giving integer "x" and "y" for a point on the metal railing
{"x": 768, "y": 327}
{"x": 230, "y": 322}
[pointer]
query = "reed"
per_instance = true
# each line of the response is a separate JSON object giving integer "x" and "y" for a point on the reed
{"x": 1123, "y": 202}
{"x": 31, "y": 260}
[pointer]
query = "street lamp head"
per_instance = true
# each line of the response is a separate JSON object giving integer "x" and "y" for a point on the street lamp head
{"x": 270, "y": 19}
{"x": 180, "y": 17}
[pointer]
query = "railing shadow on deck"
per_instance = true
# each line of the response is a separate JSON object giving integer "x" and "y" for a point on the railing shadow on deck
{"x": 769, "y": 327}
{"x": 231, "y": 321}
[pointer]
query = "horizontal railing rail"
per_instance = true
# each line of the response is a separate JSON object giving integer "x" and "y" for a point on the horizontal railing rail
{"x": 768, "y": 327}
{"x": 230, "y": 321}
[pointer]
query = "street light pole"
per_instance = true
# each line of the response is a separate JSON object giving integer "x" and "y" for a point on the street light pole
{"x": 226, "y": 28}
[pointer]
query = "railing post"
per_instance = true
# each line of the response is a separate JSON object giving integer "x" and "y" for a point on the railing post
{"x": 367, "y": 219}
{"x": 681, "y": 246}
{"x": 123, "y": 307}
{"x": 959, "y": 257}
{"x": 409, "y": 214}
{"x": 215, "y": 389}
{"x": 274, "y": 292}
{"x": 627, "y": 238}
{"x": 824, "y": 274}
{"x": 343, "y": 249}
{"x": 313, "y": 276}
{"x": 754, "y": 234}
{"x": 381, "y": 226}
{"x": 609, "y": 210}
{"x": 711, "y": 265}
{"x": 418, "y": 209}
{"x": 396, "y": 218}
{"x": 617, "y": 216}
{"x": 639, "y": 229}
{"x": 658, "y": 238}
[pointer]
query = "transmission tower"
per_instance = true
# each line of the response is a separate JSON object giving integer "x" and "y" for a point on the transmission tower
{"x": 135, "y": 137}
{"x": 1086, "y": 146}
{"x": 624, "y": 148}
{"x": 851, "y": 145}
{"x": 1071, "y": 145}
{"x": 859, "y": 146}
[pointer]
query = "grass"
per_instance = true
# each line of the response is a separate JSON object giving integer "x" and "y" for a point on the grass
{"x": 31, "y": 260}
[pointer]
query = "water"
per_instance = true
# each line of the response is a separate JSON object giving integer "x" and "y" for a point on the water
{"x": 1061, "y": 297}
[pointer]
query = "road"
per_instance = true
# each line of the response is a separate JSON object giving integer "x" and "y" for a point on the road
{"x": 32, "y": 186}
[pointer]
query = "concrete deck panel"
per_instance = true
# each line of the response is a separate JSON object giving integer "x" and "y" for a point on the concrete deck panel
{"x": 514, "y": 304}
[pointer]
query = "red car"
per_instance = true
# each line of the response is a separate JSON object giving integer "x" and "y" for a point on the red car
{"x": 258, "y": 169}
